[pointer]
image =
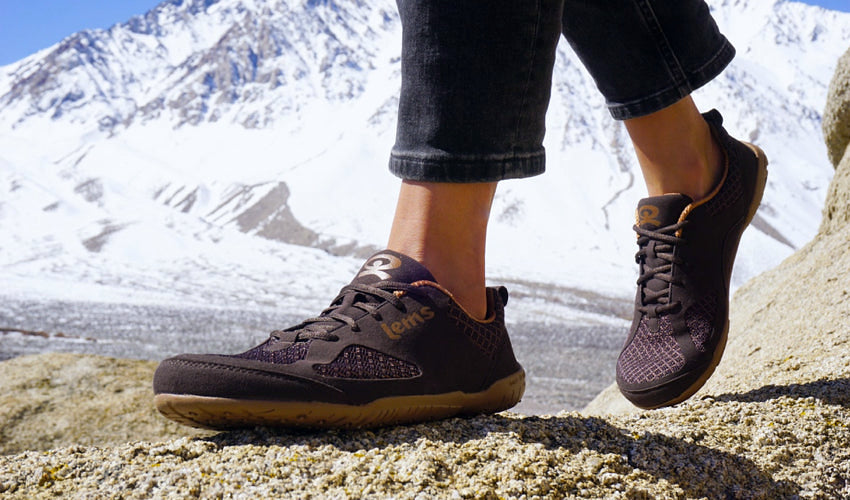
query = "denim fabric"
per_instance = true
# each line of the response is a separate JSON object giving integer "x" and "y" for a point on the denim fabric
{"x": 649, "y": 53}
{"x": 477, "y": 75}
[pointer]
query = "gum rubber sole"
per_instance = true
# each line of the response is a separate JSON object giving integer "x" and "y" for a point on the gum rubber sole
{"x": 225, "y": 413}
{"x": 642, "y": 399}
{"x": 761, "y": 181}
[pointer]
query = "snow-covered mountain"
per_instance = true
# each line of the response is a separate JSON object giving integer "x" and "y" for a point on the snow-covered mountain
{"x": 233, "y": 152}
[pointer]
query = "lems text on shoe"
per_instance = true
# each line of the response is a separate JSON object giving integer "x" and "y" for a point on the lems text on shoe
{"x": 396, "y": 328}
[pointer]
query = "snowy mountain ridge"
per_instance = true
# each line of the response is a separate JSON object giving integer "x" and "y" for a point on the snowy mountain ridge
{"x": 195, "y": 60}
{"x": 233, "y": 152}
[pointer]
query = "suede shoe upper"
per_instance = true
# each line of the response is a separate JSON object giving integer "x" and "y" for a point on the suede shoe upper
{"x": 686, "y": 252}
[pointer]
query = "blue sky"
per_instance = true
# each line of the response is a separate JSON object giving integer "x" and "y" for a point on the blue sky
{"x": 27, "y": 26}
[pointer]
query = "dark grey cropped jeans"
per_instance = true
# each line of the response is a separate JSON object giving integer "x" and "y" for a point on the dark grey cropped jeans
{"x": 477, "y": 75}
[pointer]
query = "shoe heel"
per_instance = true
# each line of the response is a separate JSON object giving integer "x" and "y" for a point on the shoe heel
{"x": 761, "y": 180}
{"x": 502, "y": 395}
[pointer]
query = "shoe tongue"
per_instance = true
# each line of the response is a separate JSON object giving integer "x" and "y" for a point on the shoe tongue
{"x": 387, "y": 265}
{"x": 661, "y": 211}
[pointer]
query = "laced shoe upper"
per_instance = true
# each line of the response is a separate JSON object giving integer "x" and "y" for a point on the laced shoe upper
{"x": 392, "y": 331}
{"x": 661, "y": 244}
{"x": 659, "y": 230}
{"x": 686, "y": 249}
{"x": 353, "y": 302}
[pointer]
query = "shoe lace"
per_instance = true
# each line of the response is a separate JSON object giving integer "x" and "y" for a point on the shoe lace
{"x": 658, "y": 255}
{"x": 351, "y": 299}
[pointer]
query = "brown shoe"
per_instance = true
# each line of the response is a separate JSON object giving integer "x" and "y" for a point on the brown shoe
{"x": 393, "y": 347}
{"x": 686, "y": 254}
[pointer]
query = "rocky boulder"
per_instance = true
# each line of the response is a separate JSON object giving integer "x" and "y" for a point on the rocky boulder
{"x": 54, "y": 400}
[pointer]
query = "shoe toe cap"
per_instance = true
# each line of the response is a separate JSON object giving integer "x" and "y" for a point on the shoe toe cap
{"x": 229, "y": 377}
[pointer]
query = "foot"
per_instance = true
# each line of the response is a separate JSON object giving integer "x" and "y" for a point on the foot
{"x": 686, "y": 252}
{"x": 393, "y": 347}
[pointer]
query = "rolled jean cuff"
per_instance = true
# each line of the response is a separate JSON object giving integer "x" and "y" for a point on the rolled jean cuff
{"x": 432, "y": 167}
{"x": 677, "y": 90}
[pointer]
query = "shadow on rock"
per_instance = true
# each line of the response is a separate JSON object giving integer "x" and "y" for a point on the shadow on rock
{"x": 832, "y": 392}
{"x": 698, "y": 470}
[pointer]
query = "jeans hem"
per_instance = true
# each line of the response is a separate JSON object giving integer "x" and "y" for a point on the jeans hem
{"x": 679, "y": 90}
{"x": 462, "y": 169}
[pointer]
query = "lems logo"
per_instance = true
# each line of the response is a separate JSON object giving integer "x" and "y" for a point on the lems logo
{"x": 379, "y": 265}
{"x": 647, "y": 215}
{"x": 396, "y": 328}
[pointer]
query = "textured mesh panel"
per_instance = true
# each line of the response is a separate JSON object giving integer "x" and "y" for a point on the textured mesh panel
{"x": 650, "y": 356}
{"x": 729, "y": 194}
{"x": 360, "y": 362}
{"x": 264, "y": 352}
{"x": 486, "y": 336}
{"x": 699, "y": 318}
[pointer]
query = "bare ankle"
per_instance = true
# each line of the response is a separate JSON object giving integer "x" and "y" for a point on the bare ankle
{"x": 473, "y": 300}
{"x": 466, "y": 286}
{"x": 460, "y": 275}
{"x": 677, "y": 151}
{"x": 444, "y": 227}
{"x": 704, "y": 172}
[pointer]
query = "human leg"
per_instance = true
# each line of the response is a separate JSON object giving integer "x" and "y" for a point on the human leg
{"x": 444, "y": 226}
{"x": 404, "y": 341}
{"x": 646, "y": 55}
{"x": 475, "y": 84}
{"x": 676, "y": 150}
{"x": 704, "y": 186}
{"x": 476, "y": 80}
{"x": 686, "y": 252}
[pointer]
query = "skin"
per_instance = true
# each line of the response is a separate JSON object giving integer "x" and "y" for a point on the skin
{"x": 444, "y": 225}
{"x": 676, "y": 151}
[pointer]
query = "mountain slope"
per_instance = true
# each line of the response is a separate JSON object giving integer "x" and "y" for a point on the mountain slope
{"x": 237, "y": 148}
